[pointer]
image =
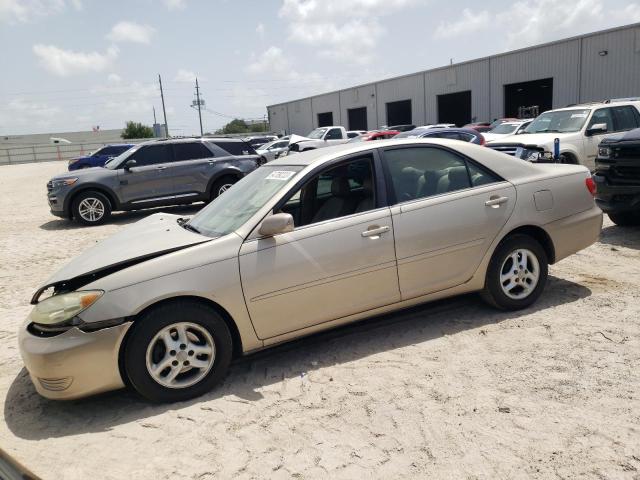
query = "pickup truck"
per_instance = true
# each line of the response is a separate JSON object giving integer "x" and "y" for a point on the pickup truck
{"x": 319, "y": 138}
{"x": 617, "y": 178}
{"x": 579, "y": 129}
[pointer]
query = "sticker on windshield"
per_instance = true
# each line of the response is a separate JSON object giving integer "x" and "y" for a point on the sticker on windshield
{"x": 280, "y": 175}
{"x": 579, "y": 115}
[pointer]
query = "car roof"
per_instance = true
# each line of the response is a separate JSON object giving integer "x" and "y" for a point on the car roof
{"x": 584, "y": 106}
{"x": 504, "y": 165}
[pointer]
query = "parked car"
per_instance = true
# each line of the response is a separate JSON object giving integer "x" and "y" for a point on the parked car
{"x": 617, "y": 177}
{"x": 375, "y": 135}
{"x": 355, "y": 133}
{"x": 234, "y": 146}
{"x": 579, "y": 128}
{"x": 318, "y": 138}
{"x": 306, "y": 243}
{"x": 505, "y": 129}
{"x": 399, "y": 128}
{"x": 151, "y": 174}
{"x": 271, "y": 150}
{"x": 463, "y": 134}
{"x": 99, "y": 157}
{"x": 479, "y": 126}
{"x": 259, "y": 140}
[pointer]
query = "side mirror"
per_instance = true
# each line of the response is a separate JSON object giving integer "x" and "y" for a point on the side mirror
{"x": 277, "y": 223}
{"x": 129, "y": 164}
{"x": 596, "y": 129}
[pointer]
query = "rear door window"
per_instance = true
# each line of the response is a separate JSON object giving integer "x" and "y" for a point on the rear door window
{"x": 333, "y": 134}
{"x": 625, "y": 118}
{"x": 191, "y": 151}
{"x": 153, "y": 155}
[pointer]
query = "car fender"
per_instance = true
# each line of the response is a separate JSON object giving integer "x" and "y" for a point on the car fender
{"x": 230, "y": 170}
{"x": 111, "y": 195}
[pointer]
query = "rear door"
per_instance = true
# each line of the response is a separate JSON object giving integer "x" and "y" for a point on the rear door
{"x": 149, "y": 181}
{"x": 192, "y": 169}
{"x": 446, "y": 211}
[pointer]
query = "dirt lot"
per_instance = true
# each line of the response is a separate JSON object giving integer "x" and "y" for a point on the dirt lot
{"x": 448, "y": 390}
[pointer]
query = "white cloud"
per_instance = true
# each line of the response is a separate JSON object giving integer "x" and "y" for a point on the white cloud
{"x": 471, "y": 22}
{"x": 22, "y": 11}
{"x": 123, "y": 99}
{"x": 175, "y": 4}
{"x": 346, "y": 30}
{"x": 187, "y": 76}
{"x": 131, "y": 32}
{"x": 114, "y": 78}
{"x": 30, "y": 115}
{"x": 67, "y": 62}
{"x": 530, "y": 22}
{"x": 260, "y": 29}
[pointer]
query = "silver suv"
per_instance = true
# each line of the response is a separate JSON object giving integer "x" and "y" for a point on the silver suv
{"x": 151, "y": 174}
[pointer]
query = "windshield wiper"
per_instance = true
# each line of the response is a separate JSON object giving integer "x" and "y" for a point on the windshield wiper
{"x": 183, "y": 223}
{"x": 548, "y": 130}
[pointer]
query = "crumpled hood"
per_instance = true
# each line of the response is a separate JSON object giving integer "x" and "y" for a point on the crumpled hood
{"x": 540, "y": 139}
{"x": 630, "y": 136}
{"x": 298, "y": 138}
{"x": 151, "y": 237}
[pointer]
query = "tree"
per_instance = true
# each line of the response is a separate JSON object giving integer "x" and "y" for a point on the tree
{"x": 234, "y": 126}
{"x": 136, "y": 130}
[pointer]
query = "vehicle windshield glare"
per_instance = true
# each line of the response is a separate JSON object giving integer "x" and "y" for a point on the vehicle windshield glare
{"x": 504, "y": 128}
{"x": 115, "y": 162}
{"x": 317, "y": 133}
{"x": 561, "y": 121}
{"x": 237, "y": 205}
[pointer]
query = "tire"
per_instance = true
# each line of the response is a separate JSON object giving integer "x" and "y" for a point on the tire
{"x": 221, "y": 185}
{"x": 91, "y": 208}
{"x": 525, "y": 286}
{"x": 567, "y": 158}
{"x": 626, "y": 219}
{"x": 146, "y": 347}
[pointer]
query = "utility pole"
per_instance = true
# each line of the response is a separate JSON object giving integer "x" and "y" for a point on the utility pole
{"x": 154, "y": 116}
{"x": 164, "y": 111}
{"x": 199, "y": 105}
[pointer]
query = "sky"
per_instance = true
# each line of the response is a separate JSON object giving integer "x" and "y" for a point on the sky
{"x": 70, "y": 65}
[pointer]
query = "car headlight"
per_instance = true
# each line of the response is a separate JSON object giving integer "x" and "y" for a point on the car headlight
{"x": 61, "y": 308}
{"x": 604, "y": 152}
{"x": 64, "y": 182}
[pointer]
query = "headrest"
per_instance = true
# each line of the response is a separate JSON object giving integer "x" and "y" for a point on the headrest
{"x": 367, "y": 184}
{"x": 340, "y": 187}
{"x": 458, "y": 175}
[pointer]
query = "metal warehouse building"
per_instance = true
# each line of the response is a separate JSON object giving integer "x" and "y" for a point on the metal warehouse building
{"x": 591, "y": 67}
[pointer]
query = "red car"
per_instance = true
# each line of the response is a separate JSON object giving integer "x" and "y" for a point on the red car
{"x": 377, "y": 135}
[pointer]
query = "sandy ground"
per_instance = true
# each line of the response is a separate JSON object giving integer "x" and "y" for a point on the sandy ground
{"x": 448, "y": 390}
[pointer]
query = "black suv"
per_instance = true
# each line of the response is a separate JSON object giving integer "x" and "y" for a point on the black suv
{"x": 617, "y": 177}
{"x": 151, "y": 174}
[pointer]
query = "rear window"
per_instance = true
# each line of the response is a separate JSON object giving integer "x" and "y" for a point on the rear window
{"x": 191, "y": 151}
{"x": 236, "y": 148}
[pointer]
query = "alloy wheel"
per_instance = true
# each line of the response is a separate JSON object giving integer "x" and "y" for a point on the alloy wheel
{"x": 91, "y": 209}
{"x": 519, "y": 274}
{"x": 180, "y": 355}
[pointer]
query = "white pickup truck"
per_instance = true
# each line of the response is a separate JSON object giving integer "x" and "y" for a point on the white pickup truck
{"x": 579, "y": 129}
{"x": 319, "y": 138}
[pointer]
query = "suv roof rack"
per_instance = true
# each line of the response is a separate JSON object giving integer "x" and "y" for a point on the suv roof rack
{"x": 626, "y": 99}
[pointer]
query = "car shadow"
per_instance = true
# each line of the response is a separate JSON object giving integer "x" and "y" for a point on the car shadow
{"x": 32, "y": 417}
{"x": 614, "y": 235}
{"x": 124, "y": 218}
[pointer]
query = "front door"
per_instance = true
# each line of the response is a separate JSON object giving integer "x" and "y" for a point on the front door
{"x": 150, "y": 180}
{"x": 192, "y": 169}
{"x": 447, "y": 212}
{"x": 338, "y": 261}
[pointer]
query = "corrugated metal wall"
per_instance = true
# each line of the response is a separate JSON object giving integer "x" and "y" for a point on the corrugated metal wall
{"x": 364, "y": 96}
{"x": 616, "y": 74}
{"x": 410, "y": 87}
{"x": 472, "y": 76}
{"x": 579, "y": 68}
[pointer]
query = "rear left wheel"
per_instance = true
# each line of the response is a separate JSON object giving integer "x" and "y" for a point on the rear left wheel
{"x": 222, "y": 185}
{"x": 178, "y": 351}
{"x": 517, "y": 273}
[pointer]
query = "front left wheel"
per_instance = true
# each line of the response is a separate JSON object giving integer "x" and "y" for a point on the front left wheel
{"x": 178, "y": 351}
{"x": 91, "y": 208}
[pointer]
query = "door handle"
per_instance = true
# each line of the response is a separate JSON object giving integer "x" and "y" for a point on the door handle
{"x": 161, "y": 168}
{"x": 375, "y": 231}
{"x": 496, "y": 201}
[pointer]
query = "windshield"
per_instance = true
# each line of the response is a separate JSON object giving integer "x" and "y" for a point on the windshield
{"x": 415, "y": 133}
{"x": 559, "y": 122}
{"x": 504, "y": 128}
{"x": 238, "y": 204}
{"x": 317, "y": 133}
{"x": 114, "y": 162}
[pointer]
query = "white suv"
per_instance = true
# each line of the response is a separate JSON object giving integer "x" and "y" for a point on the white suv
{"x": 578, "y": 128}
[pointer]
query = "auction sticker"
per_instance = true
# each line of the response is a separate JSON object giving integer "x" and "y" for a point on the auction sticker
{"x": 280, "y": 175}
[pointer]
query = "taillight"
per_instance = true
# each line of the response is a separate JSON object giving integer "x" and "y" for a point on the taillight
{"x": 591, "y": 185}
{"x": 483, "y": 141}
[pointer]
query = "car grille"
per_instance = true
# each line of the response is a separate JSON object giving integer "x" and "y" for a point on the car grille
{"x": 629, "y": 173}
{"x": 49, "y": 186}
{"x": 626, "y": 152}
{"x": 56, "y": 384}
{"x": 508, "y": 149}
